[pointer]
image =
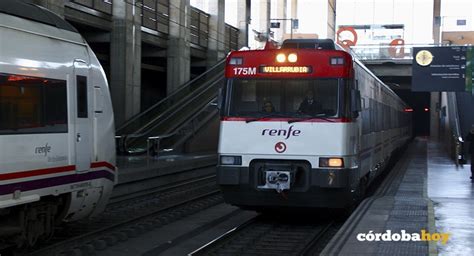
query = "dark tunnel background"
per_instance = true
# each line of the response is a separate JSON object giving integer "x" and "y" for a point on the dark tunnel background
{"x": 420, "y": 103}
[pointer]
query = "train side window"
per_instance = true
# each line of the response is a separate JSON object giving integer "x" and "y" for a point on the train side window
{"x": 365, "y": 116}
{"x": 393, "y": 116}
{"x": 81, "y": 86}
{"x": 346, "y": 100}
{"x": 381, "y": 119}
{"x": 30, "y": 105}
{"x": 377, "y": 116}
{"x": 372, "y": 115}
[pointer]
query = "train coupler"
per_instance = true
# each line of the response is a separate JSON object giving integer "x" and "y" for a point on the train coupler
{"x": 278, "y": 180}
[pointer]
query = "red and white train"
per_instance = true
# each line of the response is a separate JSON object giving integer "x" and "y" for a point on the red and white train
{"x": 57, "y": 149}
{"x": 305, "y": 125}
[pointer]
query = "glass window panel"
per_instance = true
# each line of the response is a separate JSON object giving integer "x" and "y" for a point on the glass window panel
{"x": 32, "y": 105}
{"x": 81, "y": 86}
{"x": 288, "y": 97}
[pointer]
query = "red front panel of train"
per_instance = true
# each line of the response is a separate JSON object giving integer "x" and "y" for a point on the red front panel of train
{"x": 289, "y": 63}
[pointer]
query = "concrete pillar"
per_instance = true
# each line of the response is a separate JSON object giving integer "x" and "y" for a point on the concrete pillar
{"x": 437, "y": 22}
{"x": 259, "y": 23}
{"x": 125, "y": 60}
{"x": 331, "y": 30}
{"x": 53, "y": 5}
{"x": 216, "y": 46}
{"x": 266, "y": 9}
{"x": 281, "y": 14}
{"x": 179, "y": 49}
{"x": 243, "y": 20}
{"x": 294, "y": 11}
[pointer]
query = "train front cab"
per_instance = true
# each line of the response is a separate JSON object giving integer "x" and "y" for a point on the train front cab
{"x": 321, "y": 162}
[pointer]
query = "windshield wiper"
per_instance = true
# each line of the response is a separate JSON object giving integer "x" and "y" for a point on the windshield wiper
{"x": 308, "y": 117}
{"x": 264, "y": 116}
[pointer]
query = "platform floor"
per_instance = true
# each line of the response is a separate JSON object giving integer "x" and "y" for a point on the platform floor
{"x": 429, "y": 194}
{"x": 452, "y": 194}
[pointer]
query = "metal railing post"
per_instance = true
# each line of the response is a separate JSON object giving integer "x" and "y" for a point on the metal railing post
{"x": 148, "y": 152}
{"x": 154, "y": 143}
{"x": 120, "y": 143}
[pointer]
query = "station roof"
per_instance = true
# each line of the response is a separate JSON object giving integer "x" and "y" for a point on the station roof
{"x": 27, "y": 10}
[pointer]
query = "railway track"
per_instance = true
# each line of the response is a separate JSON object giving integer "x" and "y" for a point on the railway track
{"x": 269, "y": 236}
{"x": 135, "y": 214}
{"x": 162, "y": 191}
{"x": 265, "y": 235}
{"x": 128, "y": 217}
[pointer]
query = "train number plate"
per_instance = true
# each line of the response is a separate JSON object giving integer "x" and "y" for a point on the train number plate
{"x": 278, "y": 180}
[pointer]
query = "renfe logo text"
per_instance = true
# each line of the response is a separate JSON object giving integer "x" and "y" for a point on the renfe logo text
{"x": 282, "y": 132}
{"x": 43, "y": 150}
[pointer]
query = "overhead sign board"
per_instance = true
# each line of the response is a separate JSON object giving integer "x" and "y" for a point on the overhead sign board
{"x": 274, "y": 24}
{"x": 295, "y": 23}
{"x": 447, "y": 68}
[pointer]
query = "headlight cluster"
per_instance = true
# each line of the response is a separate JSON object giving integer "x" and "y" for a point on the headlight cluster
{"x": 231, "y": 160}
{"x": 281, "y": 57}
{"x": 331, "y": 162}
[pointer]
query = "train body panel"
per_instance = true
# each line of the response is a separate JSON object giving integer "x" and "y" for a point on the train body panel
{"x": 57, "y": 125}
{"x": 274, "y": 153}
{"x": 300, "y": 139}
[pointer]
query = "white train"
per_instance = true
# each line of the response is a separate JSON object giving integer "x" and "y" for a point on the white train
{"x": 304, "y": 126}
{"x": 57, "y": 149}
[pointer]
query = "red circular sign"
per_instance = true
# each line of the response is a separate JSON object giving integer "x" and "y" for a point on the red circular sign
{"x": 347, "y": 43}
{"x": 280, "y": 147}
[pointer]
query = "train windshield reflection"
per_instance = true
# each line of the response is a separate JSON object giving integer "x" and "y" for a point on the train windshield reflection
{"x": 284, "y": 97}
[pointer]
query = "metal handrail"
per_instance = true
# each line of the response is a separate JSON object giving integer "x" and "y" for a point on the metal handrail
{"x": 170, "y": 112}
{"x": 176, "y": 92}
{"x": 456, "y": 135}
{"x": 123, "y": 147}
{"x": 153, "y": 142}
{"x": 177, "y": 110}
{"x": 459, "y": 140}
{"x": 197, "y": 121}
{"x": 143, "y": 134}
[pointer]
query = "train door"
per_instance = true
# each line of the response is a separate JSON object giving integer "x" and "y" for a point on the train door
{"x": 83, "y": 127}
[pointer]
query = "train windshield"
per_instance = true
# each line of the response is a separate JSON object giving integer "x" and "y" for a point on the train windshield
{"x": 284, "y": 97}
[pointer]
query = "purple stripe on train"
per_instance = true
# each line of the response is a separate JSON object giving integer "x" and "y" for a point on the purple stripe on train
{"x": 54, "y": 181}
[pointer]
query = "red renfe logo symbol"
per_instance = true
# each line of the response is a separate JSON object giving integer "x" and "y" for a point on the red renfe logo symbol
{"x": 280, "y": 147}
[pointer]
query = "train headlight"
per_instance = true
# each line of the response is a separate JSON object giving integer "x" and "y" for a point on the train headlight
{"x": 331, "y": 162}
{"x": 281, "y": 57}
{"x": 292, "y": 57}
{"x": 231, "y": 160}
